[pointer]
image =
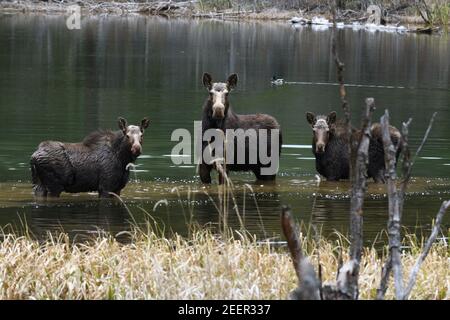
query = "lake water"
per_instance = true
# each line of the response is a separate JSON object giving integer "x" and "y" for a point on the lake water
{"x": 60, "y": 84}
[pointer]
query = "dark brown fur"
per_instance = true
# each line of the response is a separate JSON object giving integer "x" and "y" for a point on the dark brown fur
{"x": 333, "y": 163}
{"x": 99, "y": 163}
{"x": 231, "y": 120}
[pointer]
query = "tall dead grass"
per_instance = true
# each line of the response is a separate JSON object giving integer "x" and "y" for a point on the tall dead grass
{"x": 202, "y": 266}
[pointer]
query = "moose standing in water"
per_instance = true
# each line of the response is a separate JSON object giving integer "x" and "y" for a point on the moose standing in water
{"x": 330, "y": 147}
{"x": 218, "y": 114}
{"x": 99, "y": 163}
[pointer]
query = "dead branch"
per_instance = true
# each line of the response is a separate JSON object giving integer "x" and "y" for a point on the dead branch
{"x": 407, "y": 165}
{"x": 425, "y": 137}
{"x": 394, "y": 222}
{"x": 340, "y": 76}
{"x": 349, "y": 273}
{"x": 424, "y": 10}
{"x": 359, "y": 185}
{"x": 436, "y": 228}
{"x": 292, "y": 237}
{"x": 385, "y": 273}
{"x": 308, "y": 285}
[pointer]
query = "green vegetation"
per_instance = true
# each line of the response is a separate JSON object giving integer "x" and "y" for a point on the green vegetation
{"x": 434, "y": 13}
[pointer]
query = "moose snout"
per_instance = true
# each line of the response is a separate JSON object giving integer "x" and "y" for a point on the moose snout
{"x": 320, "y": 147}
{"x": 136, "y": 150}
{"x": 218, "y": 111}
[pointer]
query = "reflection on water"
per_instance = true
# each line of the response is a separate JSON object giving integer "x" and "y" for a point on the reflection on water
{"x": 326, "y": 205}
{"x": 60, "y": 84}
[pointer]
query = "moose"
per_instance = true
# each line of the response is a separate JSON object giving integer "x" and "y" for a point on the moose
{"x": 218, "y": 114}
{"x": 99, "y": 163}
{"x": 330, "y": 147}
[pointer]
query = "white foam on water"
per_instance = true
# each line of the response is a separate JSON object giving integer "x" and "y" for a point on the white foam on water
{"x": 139, "y": 170}
{"x": 296, "y": 146}
{"x": 446, "y": 164}
{"x": 306, "y": 158}
{"x": 148, "y": 156}
{"x": 432, "y": 158}
{"x": 182, "y": 166}
{"x": 347, "y": 84}
{"x": 177, "y": 155}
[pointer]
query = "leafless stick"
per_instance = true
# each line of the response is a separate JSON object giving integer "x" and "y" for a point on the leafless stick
{"x": 394, "y": 222}
{"x": 436, "y": 228}
{"x": 319, "y": 265}
{"x": 359, "y": 187}
{"x": 292, "y": 237}
{"x": 407, "y": 169}
{"x": 425, "y": 137}
{"x": 406, "y": 163}
{"x": 340, "y": 76}
{"x": 385, "y": 273}
{"x": 308, "y": 285}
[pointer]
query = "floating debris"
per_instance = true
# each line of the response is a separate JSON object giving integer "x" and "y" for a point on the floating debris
{"x": 277, "y": 81}
{"x": 321, "y": 23}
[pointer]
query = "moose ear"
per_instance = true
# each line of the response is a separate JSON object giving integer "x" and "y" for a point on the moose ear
{"x": 144, "y": 123}
{"x": 207, "y": 80}
{"x": 122, "y": 124}
{"x": 232, "y": 80}
{"x": 331, "y": 118}
{"x": 311, "y": 118}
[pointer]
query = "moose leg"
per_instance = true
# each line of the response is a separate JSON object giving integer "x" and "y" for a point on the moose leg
{"x": 40, "y": 191}
{"x": 221, "y": 178}
{"x": 379, "y": 176}
{"x": 204, "y": 171}
{"x": 105, "y": 194}
{"x": 54, "y": 192}
{"x": 261, "y": 177}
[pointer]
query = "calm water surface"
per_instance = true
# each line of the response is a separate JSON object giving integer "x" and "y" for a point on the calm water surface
{"x": 60, "y": 84}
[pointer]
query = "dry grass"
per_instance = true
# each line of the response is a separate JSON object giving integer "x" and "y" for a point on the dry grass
{"x": 204, "y": 266}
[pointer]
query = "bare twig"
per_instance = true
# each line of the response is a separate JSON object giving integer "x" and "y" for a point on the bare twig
{"x": 292, "y": 237}
{"x": 425, "y": 138}
{"x": 340, "y": 76}
{"x": 308, "y": 285}
{"x": 426, "y": 249}
{"x": 385, "y": 273}
{"x": 394, "y": 222}
{"x": 407, "y": 169}
{"x": 359, "y": 187}
{"x": 406, "y": 163}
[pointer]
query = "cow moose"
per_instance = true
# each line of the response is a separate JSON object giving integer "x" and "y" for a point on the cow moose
{"x": 330, "y": 147}
{"x": 218, "y": 114}
{"x": 99, "y": 163}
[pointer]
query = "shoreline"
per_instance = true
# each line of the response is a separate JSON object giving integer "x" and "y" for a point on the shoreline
{"x": 190, "y": 9}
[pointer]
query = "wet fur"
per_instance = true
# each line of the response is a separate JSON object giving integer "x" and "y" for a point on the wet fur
{"x": 333, "y": 164}
{"x": 96, "y": 164}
